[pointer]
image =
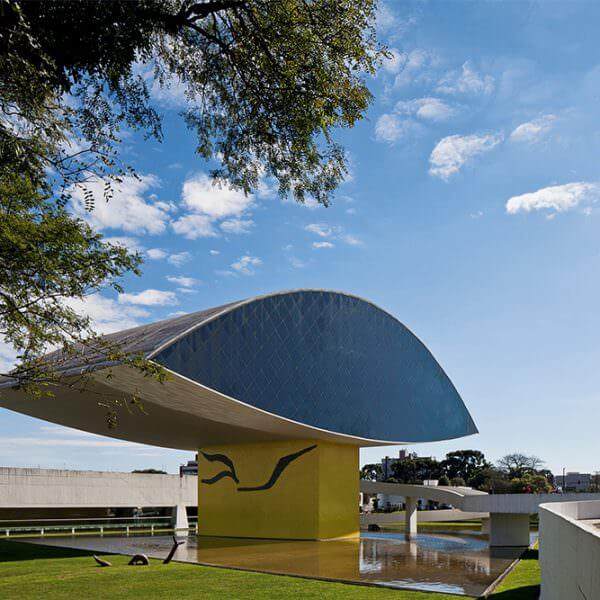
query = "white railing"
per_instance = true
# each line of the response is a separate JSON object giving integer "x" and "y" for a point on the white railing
{"x": 90, "y": 526}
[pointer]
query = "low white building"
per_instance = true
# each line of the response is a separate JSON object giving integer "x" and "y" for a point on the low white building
{"x": 574, "y": 481}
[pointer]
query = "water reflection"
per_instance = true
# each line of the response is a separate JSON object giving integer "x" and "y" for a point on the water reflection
{"x": 451, "y": 562}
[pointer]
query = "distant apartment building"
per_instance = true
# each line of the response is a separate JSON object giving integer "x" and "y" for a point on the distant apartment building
{"x": 574, "y": 481}
{"x": 388, "y": 462}
{"x": 191, "y": 468}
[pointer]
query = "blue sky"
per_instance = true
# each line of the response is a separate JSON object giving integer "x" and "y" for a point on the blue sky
{"x": 471, "y": 214}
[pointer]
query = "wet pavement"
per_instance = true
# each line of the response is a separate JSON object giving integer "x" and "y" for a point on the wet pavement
{"x": 456, "y": 562}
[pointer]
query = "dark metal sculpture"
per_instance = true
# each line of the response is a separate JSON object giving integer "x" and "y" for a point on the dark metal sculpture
{"x": 101, "y": 562}
{"x": 139, "y": 559}
{"x": 176, "y": 545}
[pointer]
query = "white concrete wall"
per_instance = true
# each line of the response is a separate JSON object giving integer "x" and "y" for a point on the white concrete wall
{"x": 26, "y": 488}
{"x": 570, "y": 551}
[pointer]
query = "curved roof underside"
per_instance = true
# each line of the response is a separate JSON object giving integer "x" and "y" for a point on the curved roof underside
{"x": 300, "y": 364}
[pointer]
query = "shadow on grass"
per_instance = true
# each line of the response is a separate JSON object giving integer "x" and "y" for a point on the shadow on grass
{"x": 528, "y": 592}
{"x": 531, "y": 554}
{"x": 18, "y": 551}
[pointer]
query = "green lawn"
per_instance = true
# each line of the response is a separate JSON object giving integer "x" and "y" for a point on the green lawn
{"x": 30, "y": 572}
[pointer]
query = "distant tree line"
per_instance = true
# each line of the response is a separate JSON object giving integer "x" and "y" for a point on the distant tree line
{"x": 513, "y": 474}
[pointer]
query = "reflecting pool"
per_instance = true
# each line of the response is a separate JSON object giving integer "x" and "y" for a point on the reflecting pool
{"x": 456, "y": 562}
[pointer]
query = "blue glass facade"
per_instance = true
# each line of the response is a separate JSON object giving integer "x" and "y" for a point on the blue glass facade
{"x": 328, "y": 360}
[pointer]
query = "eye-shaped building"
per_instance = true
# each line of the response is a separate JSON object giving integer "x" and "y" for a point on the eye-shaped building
{"x": 260, "y": 380}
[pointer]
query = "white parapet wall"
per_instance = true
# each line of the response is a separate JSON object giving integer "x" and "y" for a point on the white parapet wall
{"x": 570, "y": 550}
{"x": 31, "y": 488}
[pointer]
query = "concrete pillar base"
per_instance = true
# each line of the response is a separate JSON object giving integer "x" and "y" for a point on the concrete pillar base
{"x": 180, "y": 520}
{"x": 508, "y": 529}
{"x": 410, "y": 517}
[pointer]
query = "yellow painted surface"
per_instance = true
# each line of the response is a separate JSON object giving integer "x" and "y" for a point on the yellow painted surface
{"x": 316, "y": 496}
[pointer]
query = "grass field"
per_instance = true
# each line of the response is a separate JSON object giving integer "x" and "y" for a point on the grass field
{"x": 29, "y": 572}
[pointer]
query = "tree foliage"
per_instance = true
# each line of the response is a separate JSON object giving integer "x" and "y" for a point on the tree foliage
{"x": 516, "y": 465}
{"x": 464, "y": 464}
{"x": 268, "y": 82}
{"x": 516, "y": 473}
{"x": 416, "y": 470}
{"x": 530, "y": 483}
{"x": 371, "y": 472}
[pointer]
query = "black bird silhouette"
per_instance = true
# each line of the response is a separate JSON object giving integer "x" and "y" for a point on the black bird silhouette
{"x": 226, "y": 461}
{"x": 281, "y": 465}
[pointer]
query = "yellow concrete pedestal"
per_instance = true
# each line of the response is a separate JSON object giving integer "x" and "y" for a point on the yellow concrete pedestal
{"x": 283, "y": 490}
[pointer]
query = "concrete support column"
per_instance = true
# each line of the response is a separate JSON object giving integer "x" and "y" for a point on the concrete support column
{"x": 410, "y": 516}
{"x": 509, "y": 529}
{"x": 180, "y": 520}
{"x": 289, "y": 489}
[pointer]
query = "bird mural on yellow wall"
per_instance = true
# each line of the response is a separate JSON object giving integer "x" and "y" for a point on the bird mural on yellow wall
{"x": 281, "y": 465}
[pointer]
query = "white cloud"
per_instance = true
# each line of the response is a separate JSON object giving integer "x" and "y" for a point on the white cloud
{"x": 214, "y": 252}
{"x": 452, "y": 152}
{"x": 556, "y": 198}
{"x": 534, "y": 130}
{"x": 428, "y": 109}
{"x": 193, "y": 226}
{"x": 149, "y": 297}
{"x": 245, "y": 264}
{"x": 156, "y": 254}
{"x": 390, "y": 24}
{"x": 179, "y": 258}
{"x": 468, "y": 82}
{"x": 107, "y": 316}
{"x": 200, "y": 194}
{"x": 132, "y": 244}
{"x": 296, "y": 262}
{"x": 413, "y": 68}
{"x": 93, "y": 442}
{"x": 404, "y": 121}
{"x": 394, "y": 63}
{"x": 321, "y": 229}
{"x": 209, "y": 202}
{"x": 390, "y": 128}
{"x": 352, "y": 240}
{"x": 331, "y": 233}
{"x": 128, "y": 209}
{"x": 177, "y": 313}
{"x": 171, "y": 94}
{"x": 73, "y": 145}
{"x": 186, "y": 282}
{"x": 237, "y": 225}
{"x": 8, "y": 356}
